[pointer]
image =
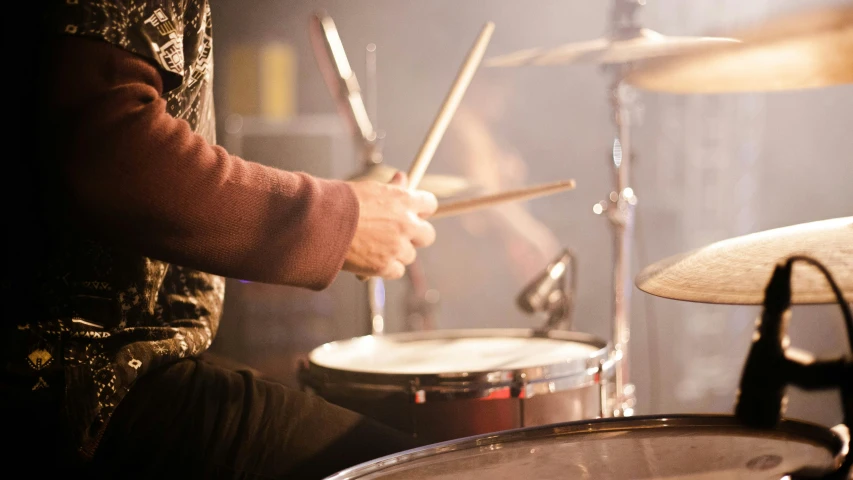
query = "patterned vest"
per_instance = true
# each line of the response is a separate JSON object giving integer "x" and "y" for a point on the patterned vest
{"x": 106, "y": 316}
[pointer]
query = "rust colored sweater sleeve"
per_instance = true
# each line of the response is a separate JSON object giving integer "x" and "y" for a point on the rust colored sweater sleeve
{"x": 142, "y": 179}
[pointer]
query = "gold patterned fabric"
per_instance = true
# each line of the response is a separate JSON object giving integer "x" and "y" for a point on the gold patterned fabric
{"x": 103, "y": 316}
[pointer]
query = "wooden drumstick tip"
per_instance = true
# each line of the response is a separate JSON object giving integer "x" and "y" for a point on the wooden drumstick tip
{"x": 449, "y": 106}
{"x": 447, "y": 110}
{"x": 479, "y": 203}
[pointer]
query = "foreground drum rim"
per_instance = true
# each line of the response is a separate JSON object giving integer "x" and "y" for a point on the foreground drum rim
{"x": 804, "y": 430}
{"x": 573, "y": 373}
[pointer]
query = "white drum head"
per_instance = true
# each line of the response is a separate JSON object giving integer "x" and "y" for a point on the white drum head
{"x": 642, "y": 448}
{"x": 391, "y": 354}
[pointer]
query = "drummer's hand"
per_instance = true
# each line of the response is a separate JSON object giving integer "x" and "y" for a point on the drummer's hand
{"x": 390, "y": 227}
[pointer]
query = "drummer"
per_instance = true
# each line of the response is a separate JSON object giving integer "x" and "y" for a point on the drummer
{"x": 114, "y": 289}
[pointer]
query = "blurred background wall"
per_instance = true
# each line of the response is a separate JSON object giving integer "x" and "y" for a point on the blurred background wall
{"x": 707, "y": 168}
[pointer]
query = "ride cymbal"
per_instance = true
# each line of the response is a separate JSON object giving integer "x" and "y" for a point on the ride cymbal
{"x": 803, "y": 50}
{"x": 736, "y": 271}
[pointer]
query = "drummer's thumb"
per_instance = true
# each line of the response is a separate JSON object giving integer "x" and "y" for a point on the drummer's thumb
{"x": 399, "y": 179}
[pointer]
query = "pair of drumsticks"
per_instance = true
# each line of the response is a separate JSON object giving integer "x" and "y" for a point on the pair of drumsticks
{"x": 439, "y": 126}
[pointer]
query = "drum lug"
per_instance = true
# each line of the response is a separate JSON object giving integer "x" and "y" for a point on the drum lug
{"x": 610, "y": 405}
{"x": 418, "y": 395}
{"x": 516, "y": 392}
{"x": 628, "y": 400}
{"x": 519, "y": 387}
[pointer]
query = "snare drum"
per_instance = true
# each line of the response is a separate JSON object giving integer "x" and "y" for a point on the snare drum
{"x": 448, "y": 384}
{"x": 695, "y": 447}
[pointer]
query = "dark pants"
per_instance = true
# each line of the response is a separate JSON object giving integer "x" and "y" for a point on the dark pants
{"x": 196, "y": 419}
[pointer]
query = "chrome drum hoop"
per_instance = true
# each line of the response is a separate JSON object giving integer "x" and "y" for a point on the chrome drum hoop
{"x": 576, "y": 373}
{"x": 836, "y": 442}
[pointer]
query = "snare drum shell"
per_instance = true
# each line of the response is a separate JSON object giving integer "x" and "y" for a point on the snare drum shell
{"x": 445, "y": 407}
{"x": 439, "y": 421}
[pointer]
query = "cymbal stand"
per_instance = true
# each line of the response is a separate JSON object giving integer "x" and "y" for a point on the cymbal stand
{"x": 619, "y": 209}
{"x": 421, "y": 300}
{"x": 372, "y": 155}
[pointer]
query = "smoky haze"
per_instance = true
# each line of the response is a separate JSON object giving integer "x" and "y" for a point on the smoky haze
{"x": 706, "y": 168}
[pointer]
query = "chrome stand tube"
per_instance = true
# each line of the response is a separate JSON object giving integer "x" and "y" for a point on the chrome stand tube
{"x": 376, "y": 306}
{"x": 371, "y": 155}
{"x": 619, "y": 209}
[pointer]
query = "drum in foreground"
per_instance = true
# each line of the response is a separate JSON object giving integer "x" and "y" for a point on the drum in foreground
{"x": 688, "y": 447}
{"x": 448, "y": 384}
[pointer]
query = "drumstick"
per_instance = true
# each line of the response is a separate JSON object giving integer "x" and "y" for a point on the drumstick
{"x": 448, "y": 109}
{"x": 527, "y": 193}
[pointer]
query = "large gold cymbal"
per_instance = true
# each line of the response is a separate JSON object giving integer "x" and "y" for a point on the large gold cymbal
{"x": 736, "y": 271}
{"x": 442, "y": 186}
{"x": 795, "y": 51}
{"x": 645, "y": 45}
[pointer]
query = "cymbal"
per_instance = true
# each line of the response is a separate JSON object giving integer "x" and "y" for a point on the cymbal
{"x": 442, "y": 186}
{"x": 803, "y": 50}
{"x": 646, "y": 44}
{"x": 339, "y": 77}
{"x": 736, "y": 271}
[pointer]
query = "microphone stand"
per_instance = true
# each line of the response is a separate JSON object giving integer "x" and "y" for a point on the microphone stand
{"x": 420, "y": 304}
{"x": 770, "y": 367}
{"x": 551, "y": 293}
{"x": 811, "y": 375}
